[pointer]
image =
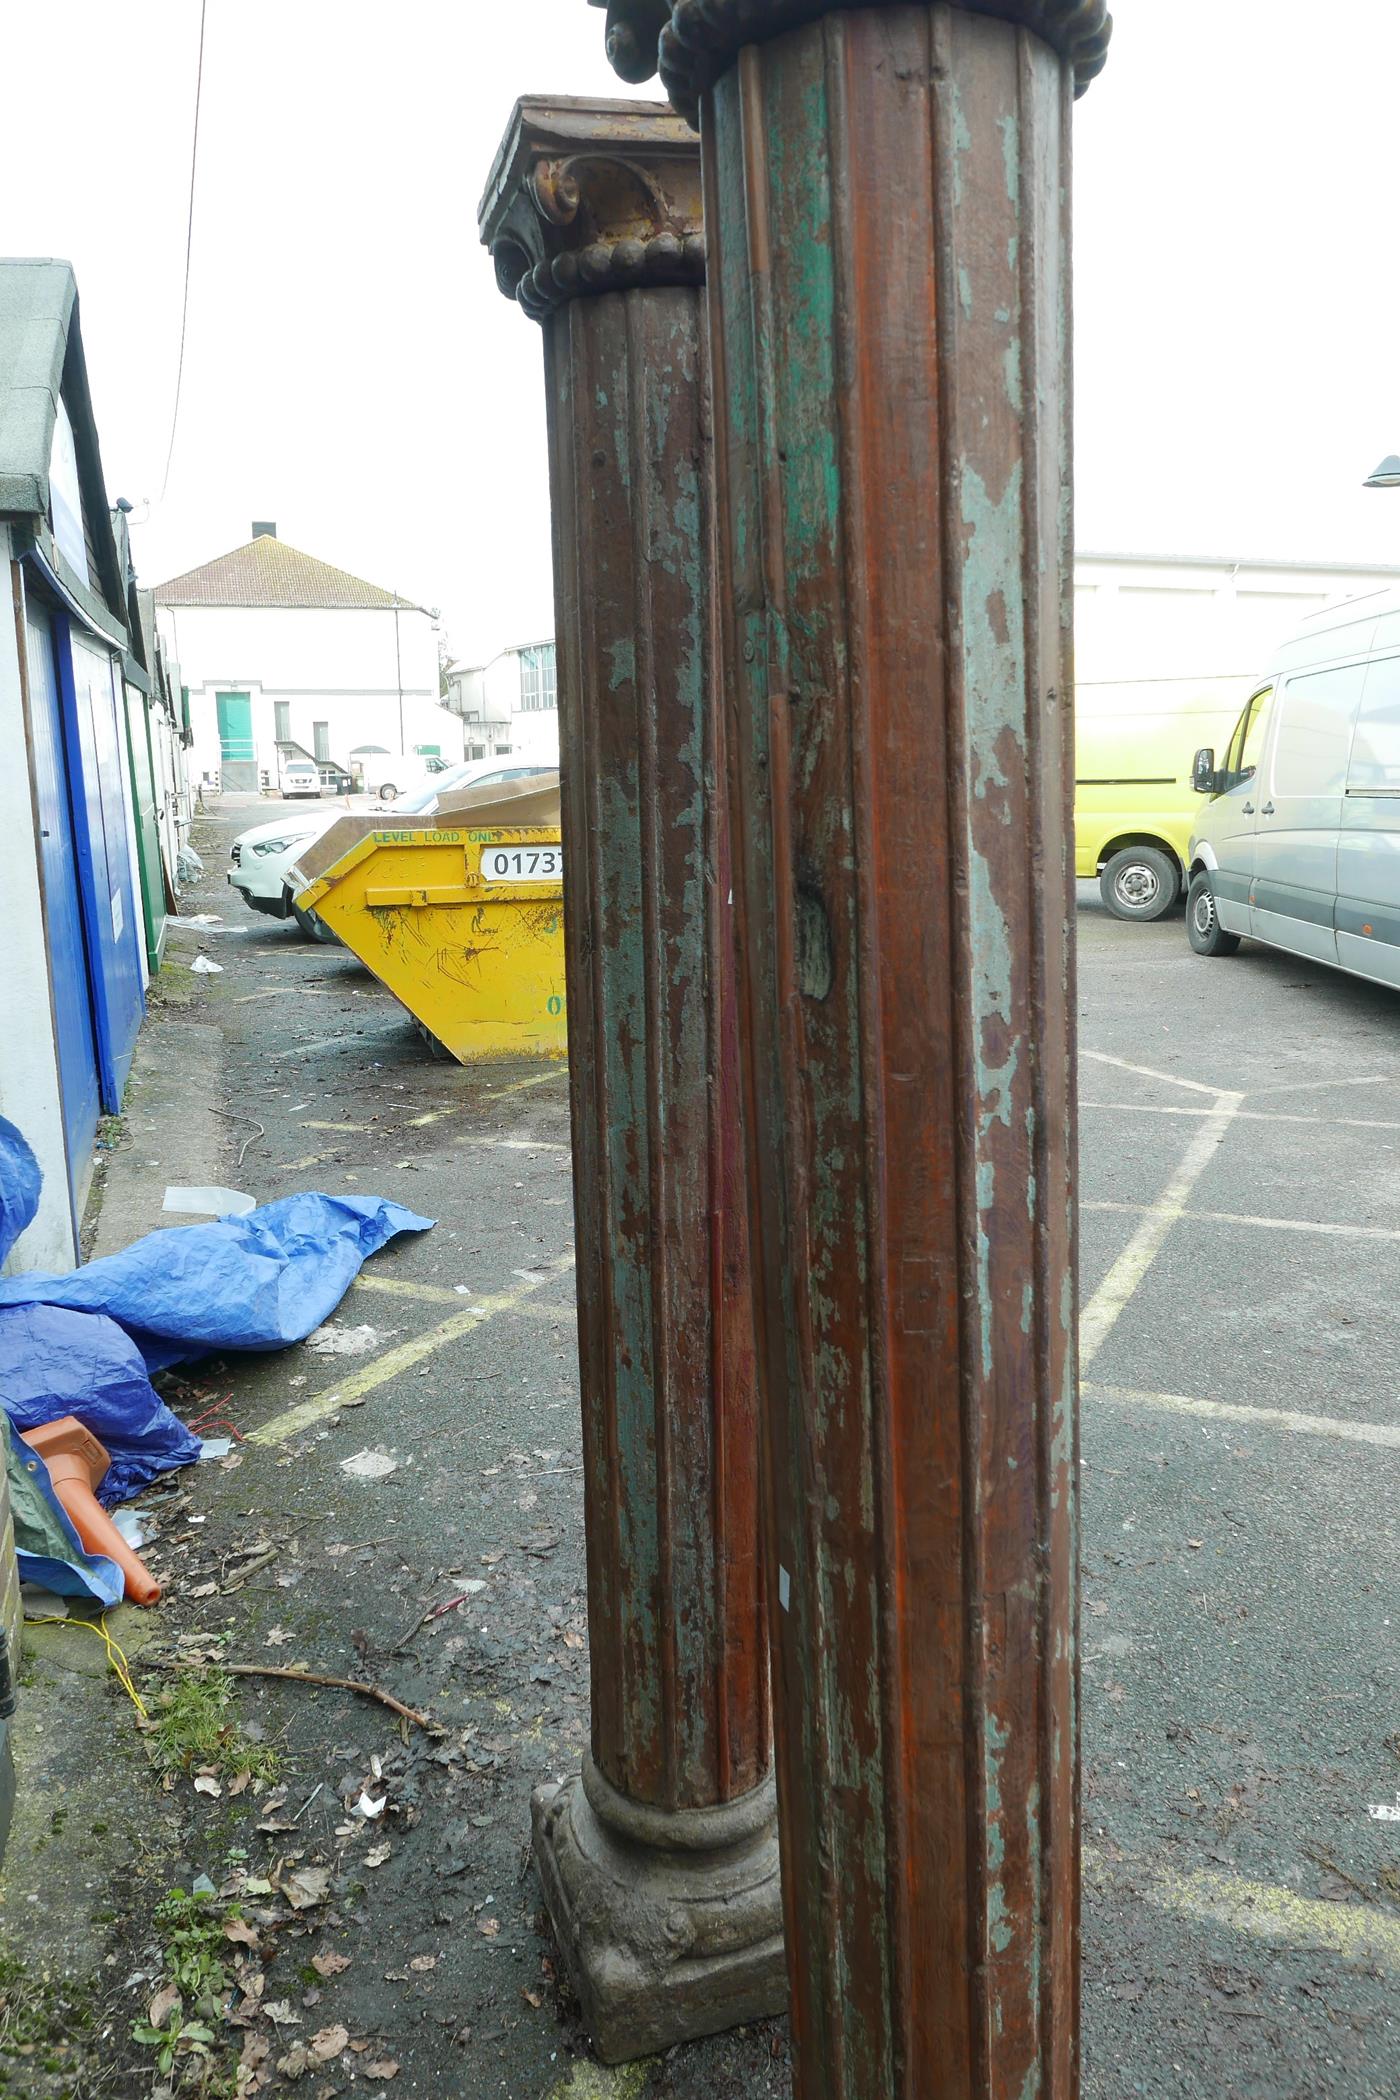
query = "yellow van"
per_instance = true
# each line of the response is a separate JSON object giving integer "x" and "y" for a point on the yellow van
{"x": 1134, "y": 804}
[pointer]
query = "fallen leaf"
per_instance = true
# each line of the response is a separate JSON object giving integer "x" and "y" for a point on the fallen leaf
{"x": 306, "y": 1887}
{"x": 532, "y": 1998}
{"x": 237, "y": 1784}
{"x": 205, "y": 1785}
{"x": 382, "y": 2067}
{"x": 489, "y": 1926}
{"x": 423, "y": 1961}
{"x": 1195, "y": 1544}
{"x": 330, "y": 2042}
{"x": 203, "y": 1589}
{"x": 330, "y": 1963}
{"x": 163, "y": 2004}
{"x": 377, "y": 1855}
{"x": 241, "y": 1932}
{"x": 280, "y": 2013}
{"x": 278, "y": 1637}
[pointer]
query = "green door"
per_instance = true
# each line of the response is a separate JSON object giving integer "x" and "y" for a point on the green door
{"x": 238, "y": 758}
{"x": 143, "y": 794}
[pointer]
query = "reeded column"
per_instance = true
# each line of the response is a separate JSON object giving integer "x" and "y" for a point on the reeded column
{"x": 660, "y": 1861}
{"x": 887, "y": 199}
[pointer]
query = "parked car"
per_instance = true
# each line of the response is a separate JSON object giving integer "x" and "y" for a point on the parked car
{"x": 262, "y": 858}
{"x": 300, "y": 776}
{"x": 389, "y": 774}
{"x": 1298, "y": 845}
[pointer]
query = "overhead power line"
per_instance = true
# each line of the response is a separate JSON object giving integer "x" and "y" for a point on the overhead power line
{"x": 189, "y": 245}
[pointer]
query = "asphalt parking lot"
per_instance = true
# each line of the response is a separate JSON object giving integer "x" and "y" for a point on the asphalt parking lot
{"x": 1241, "y": 1439}
{"x": 1241, "y": 1443}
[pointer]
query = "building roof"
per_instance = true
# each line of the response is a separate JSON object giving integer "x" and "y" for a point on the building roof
{"x": 37, "y": 298}
{"x": 266, "y": 571}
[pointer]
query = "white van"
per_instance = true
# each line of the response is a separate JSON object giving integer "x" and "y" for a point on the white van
{"x": 1299, "y": 844}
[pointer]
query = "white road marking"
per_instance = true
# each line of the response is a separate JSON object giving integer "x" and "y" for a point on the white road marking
{"x": 1194, "y": 1086}
{"x": 1379, "y": 1434}
{"x": 1243, "y": 1115}
{"x": 1230, "y": 1217}
{"x": 1101, "y": 1313}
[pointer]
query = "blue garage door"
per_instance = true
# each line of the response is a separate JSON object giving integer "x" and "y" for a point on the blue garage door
{"x": 108, "y": 881}
{"x": 77, "y": 1047}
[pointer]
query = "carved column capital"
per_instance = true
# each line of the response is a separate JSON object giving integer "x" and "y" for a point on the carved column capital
{"x": 589, "y": 197}
{"x": 691, "y": 42}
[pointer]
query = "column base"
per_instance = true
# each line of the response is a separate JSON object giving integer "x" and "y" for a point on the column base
{"x": 670, "y": 1921}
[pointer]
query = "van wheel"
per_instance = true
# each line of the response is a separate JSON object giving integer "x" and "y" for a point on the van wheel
{"x": 312, "y": 928}
{"x": 388, "y": 793}
{"x": 1139, "y": 883}
{"x": 1203, "y": 929}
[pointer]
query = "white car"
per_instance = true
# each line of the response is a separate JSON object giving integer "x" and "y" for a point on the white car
{"x": 262, "y": 859}
{"x": 391, "y": 775}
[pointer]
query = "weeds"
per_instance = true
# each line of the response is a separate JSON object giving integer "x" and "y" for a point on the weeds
{"x": 185, "y": 2016}
{"x": 193, "y": 1727}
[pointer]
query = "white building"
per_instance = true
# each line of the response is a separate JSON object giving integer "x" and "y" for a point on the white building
{"x": 1192, "y": 626}
{"x": 285, "y": 657}
{"x": 509, "y": 707}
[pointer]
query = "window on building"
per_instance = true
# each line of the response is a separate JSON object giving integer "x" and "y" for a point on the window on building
{"x": 321, "y": 735}
{"x": 539, "y": 691}
{"x": 282, "y": 721}
{"x": 476, "y": 751}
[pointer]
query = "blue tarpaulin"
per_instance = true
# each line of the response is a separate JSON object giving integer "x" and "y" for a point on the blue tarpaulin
{"x": 85, "y": 1344}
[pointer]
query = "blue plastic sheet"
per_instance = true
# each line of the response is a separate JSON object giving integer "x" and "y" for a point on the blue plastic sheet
{"x": 256, "y": 1282}
{"x": 85, "y": 1344}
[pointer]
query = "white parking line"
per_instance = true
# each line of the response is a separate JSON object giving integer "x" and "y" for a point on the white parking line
{"x": 1194, "y": 1086}
{"x": 1138, "y": 1398}
{"x": 1230, "y": 1217}
{"x": 1243, "y": 1115}
{"x": 1101, "y": 1313}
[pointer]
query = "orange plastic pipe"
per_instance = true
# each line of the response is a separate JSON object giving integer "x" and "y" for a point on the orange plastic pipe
{"x": 77, "y": 1464}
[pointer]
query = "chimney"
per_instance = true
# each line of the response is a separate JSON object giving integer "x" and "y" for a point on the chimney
{"x": 264, "y": 528}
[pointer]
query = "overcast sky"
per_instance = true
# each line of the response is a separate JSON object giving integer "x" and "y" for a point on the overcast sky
{"x": 352, "y": 372}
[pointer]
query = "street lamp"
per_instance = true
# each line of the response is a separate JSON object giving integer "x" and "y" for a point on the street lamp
{"x": 1387, "y": 474}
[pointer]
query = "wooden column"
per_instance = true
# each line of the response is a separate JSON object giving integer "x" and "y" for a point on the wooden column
{"x": 659, "y": 1861}
{"x": 887, "y": 219}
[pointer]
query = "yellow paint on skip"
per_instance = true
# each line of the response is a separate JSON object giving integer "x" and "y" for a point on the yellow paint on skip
{"x": 1101, "y": 1313}
{"x": 295, "y": 1419}
{"x": 1357, "y": 1932}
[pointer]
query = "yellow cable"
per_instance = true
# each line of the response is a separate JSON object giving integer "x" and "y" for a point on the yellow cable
{"x": 120, "y": 1667}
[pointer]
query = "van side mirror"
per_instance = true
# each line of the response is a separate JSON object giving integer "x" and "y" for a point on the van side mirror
{"x": 1203, "y": 771}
